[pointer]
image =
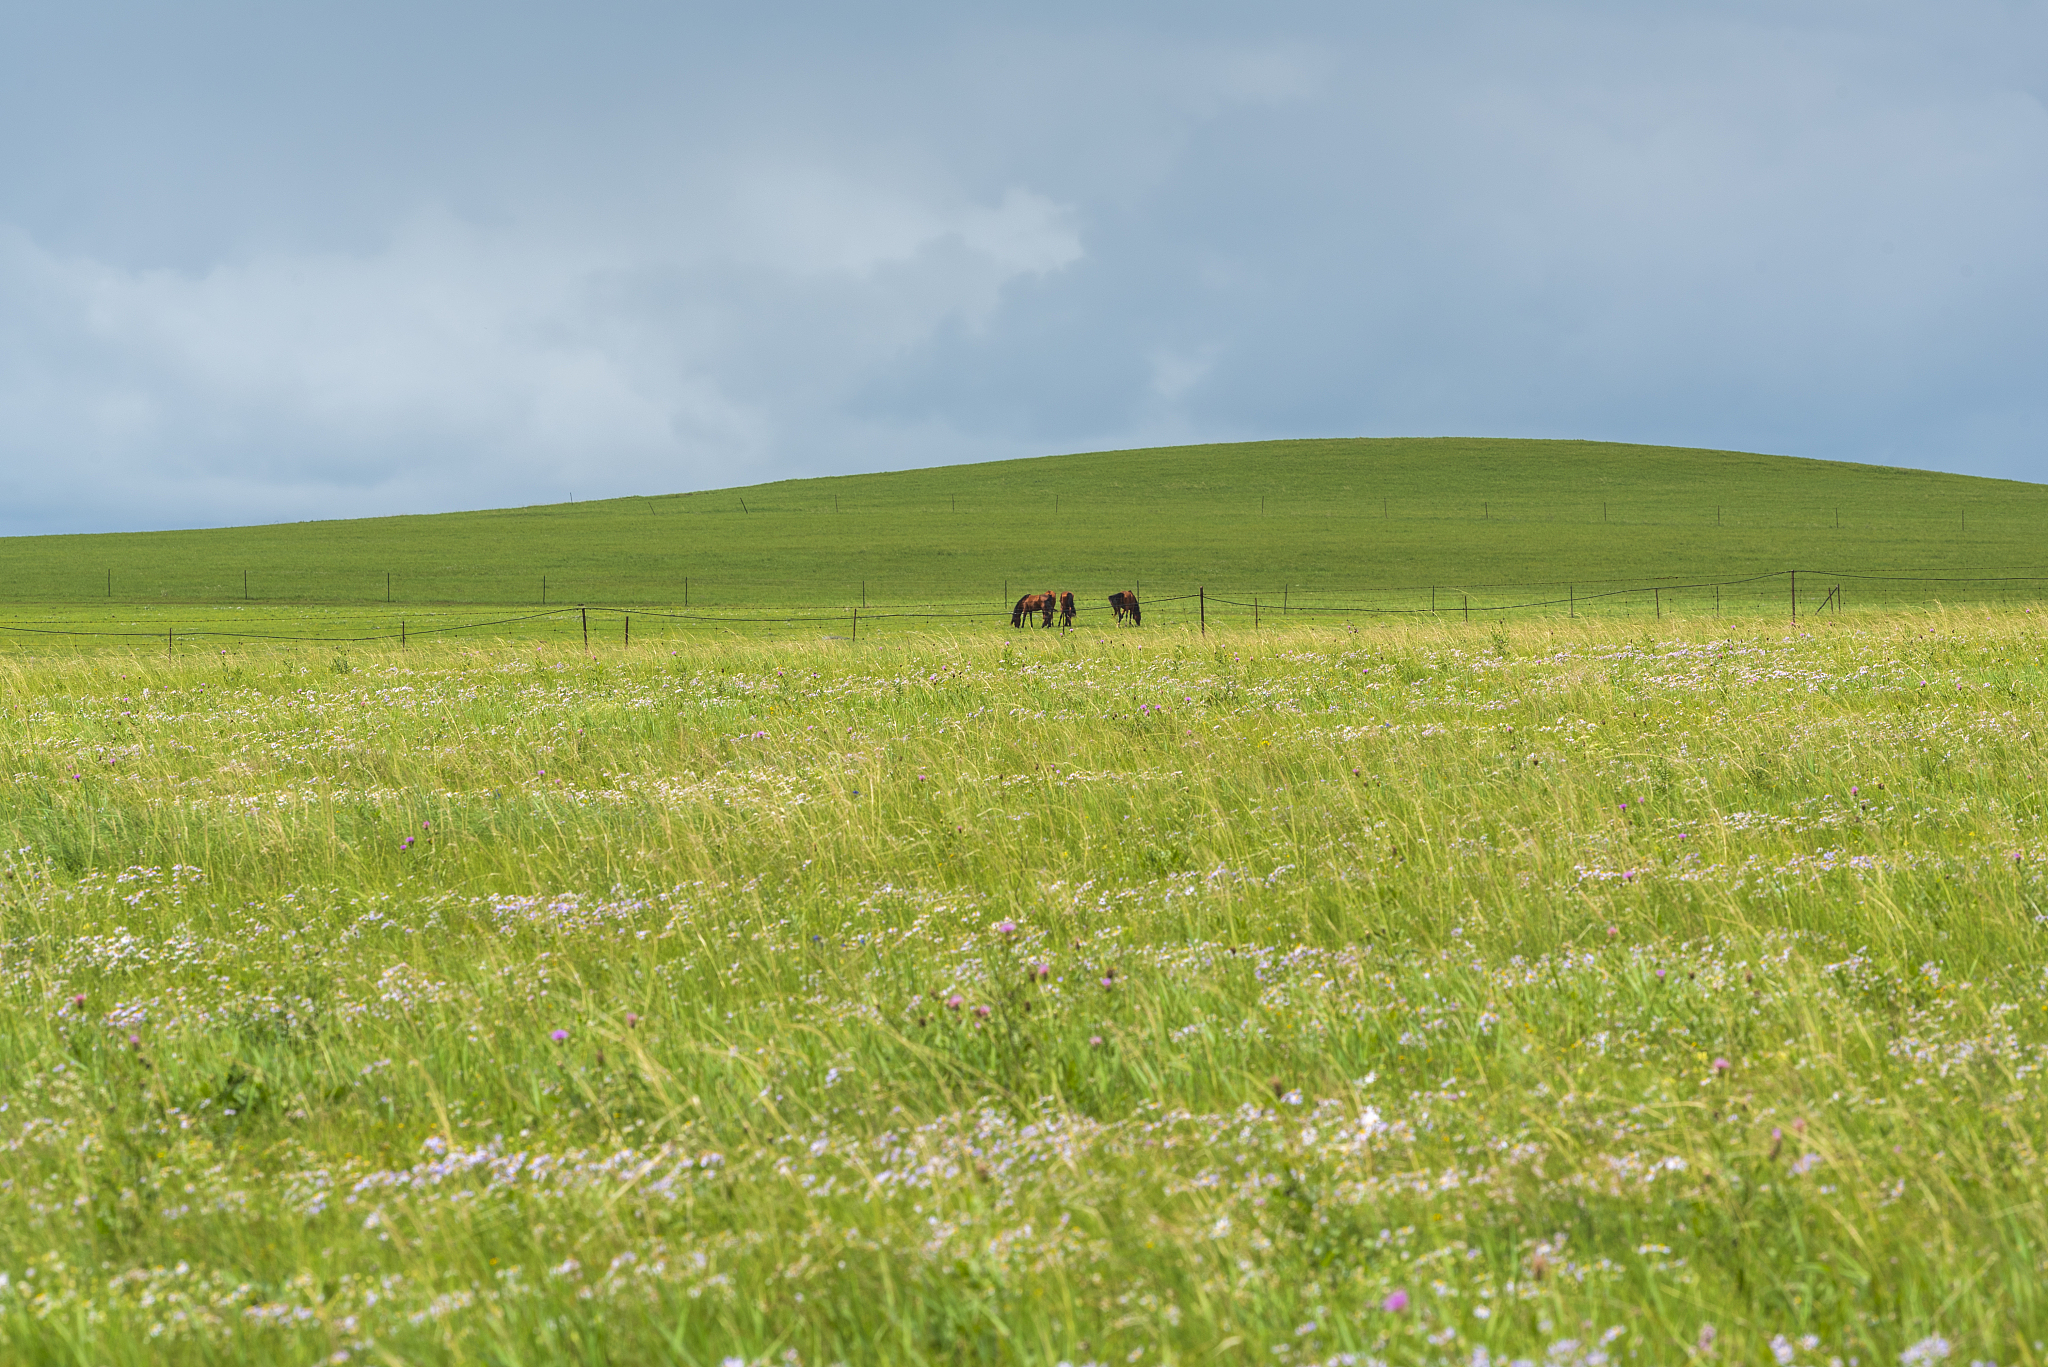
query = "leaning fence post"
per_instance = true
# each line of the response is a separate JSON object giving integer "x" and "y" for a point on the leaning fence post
{"x": 1202, "y": 606}
{"x": 167, "y": 643}
{"x": 584, "y": 613}
{"x": 1795, "y": 595}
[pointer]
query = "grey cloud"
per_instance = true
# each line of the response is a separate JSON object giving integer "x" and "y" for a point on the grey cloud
{"x": 264, "y": 263}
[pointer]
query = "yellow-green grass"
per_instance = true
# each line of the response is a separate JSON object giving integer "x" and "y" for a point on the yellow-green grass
{"x": 1376, "y": 522}
{"x": 1558, "y": 989}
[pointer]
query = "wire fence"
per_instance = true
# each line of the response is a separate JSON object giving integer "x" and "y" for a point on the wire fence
{"x": 1792, "y": 594}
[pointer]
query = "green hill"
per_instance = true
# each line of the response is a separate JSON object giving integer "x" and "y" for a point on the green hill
{"x": 1317, "y": 518}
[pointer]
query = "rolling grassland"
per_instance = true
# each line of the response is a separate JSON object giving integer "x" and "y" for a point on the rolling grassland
{"x": 1328, "y": 518}
{"x": 1564, "y": 991}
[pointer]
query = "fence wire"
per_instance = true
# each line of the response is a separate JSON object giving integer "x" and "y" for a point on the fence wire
{"x": 1193, "y": 608}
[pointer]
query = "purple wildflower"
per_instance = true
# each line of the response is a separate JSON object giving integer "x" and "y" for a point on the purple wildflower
{"x": 1395, "y": 1303}
{"x": 558, "y": 1035}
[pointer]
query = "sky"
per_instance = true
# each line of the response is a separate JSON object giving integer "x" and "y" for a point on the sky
{"x": 291, "y": 259}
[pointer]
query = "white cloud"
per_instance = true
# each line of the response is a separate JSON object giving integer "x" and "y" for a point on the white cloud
{"x": 474, "y": 365}
{"x": 464, "y": 256}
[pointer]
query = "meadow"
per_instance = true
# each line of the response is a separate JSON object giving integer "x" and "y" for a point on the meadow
{"x": 1411, "y": 991}
{"x": 1384, "y": 522}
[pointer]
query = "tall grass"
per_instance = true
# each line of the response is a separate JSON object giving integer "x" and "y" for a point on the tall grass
{"x": 1576, "y": 991}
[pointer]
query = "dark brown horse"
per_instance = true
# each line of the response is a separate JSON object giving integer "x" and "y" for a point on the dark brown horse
{"x": 1042, "y": 604}
{"x": 1066, "y": 609}
{"x": 1126, "y": 605}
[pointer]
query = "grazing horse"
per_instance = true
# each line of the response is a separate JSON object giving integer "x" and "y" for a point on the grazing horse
{"x": 1066, "y": 609}
{"x": 1126, "y": 605}
{"x": 1041, "y": 604}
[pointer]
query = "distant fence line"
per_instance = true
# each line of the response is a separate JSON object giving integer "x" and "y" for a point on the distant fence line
{"x": 1794, "y": 593}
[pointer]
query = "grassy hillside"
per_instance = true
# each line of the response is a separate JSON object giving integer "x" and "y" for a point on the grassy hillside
{"x": 1326, "y": 516}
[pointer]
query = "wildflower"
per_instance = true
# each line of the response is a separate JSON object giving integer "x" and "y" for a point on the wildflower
{"x": 135, "y": 1041}
{"x": 1782, "y": 1350}
{"x": 1006, "y": 927}
{"x": 1395, "y": 1303}
{"x": 1721, "y": 1065}
{"x": 78, "y": 1001}
{"x": 982, "y": 1011}
{"x": 955, "y": 1002}
{"x": 558, "y": 1035}
{"x": 1041, "y": 971}
{"x": 1109, "y": 981}
{"x": 1933, "y": 1348}
{"x": 632, "y": 1019}
{"x": 1095, "y": 1041}
{"x": 1705, "y": 1342}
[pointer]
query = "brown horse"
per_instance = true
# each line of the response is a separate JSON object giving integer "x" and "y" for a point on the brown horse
{"x": 1066, "y": 609}
{"x": 1126, "y": 605}
{"x": 1041, "y": 604}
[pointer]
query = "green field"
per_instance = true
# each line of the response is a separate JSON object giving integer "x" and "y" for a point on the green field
{"x": 1646, "y": 978}
{"x": 1392, "y": 524}
{"x": 1573, "y": 991}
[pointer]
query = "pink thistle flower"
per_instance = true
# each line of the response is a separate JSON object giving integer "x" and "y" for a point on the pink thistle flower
{"x": 1006, "y": 927}
{"x": 632, "y": 1019}
{"x": 955, "y": 1002}
{"x": 1395, "y": 1303}
{"x": 982, "y": 1011}
{"x": 1721, "y": 1065}
{"x": 558, "y": 1035}
{"x": 1041, "y": 971}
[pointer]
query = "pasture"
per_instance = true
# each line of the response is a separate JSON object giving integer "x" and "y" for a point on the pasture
{"x": 1577, "y": 991}
{"x": 1384, "y": 522}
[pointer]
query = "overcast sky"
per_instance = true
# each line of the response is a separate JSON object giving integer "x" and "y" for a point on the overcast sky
{"x": 273, "y": 260}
